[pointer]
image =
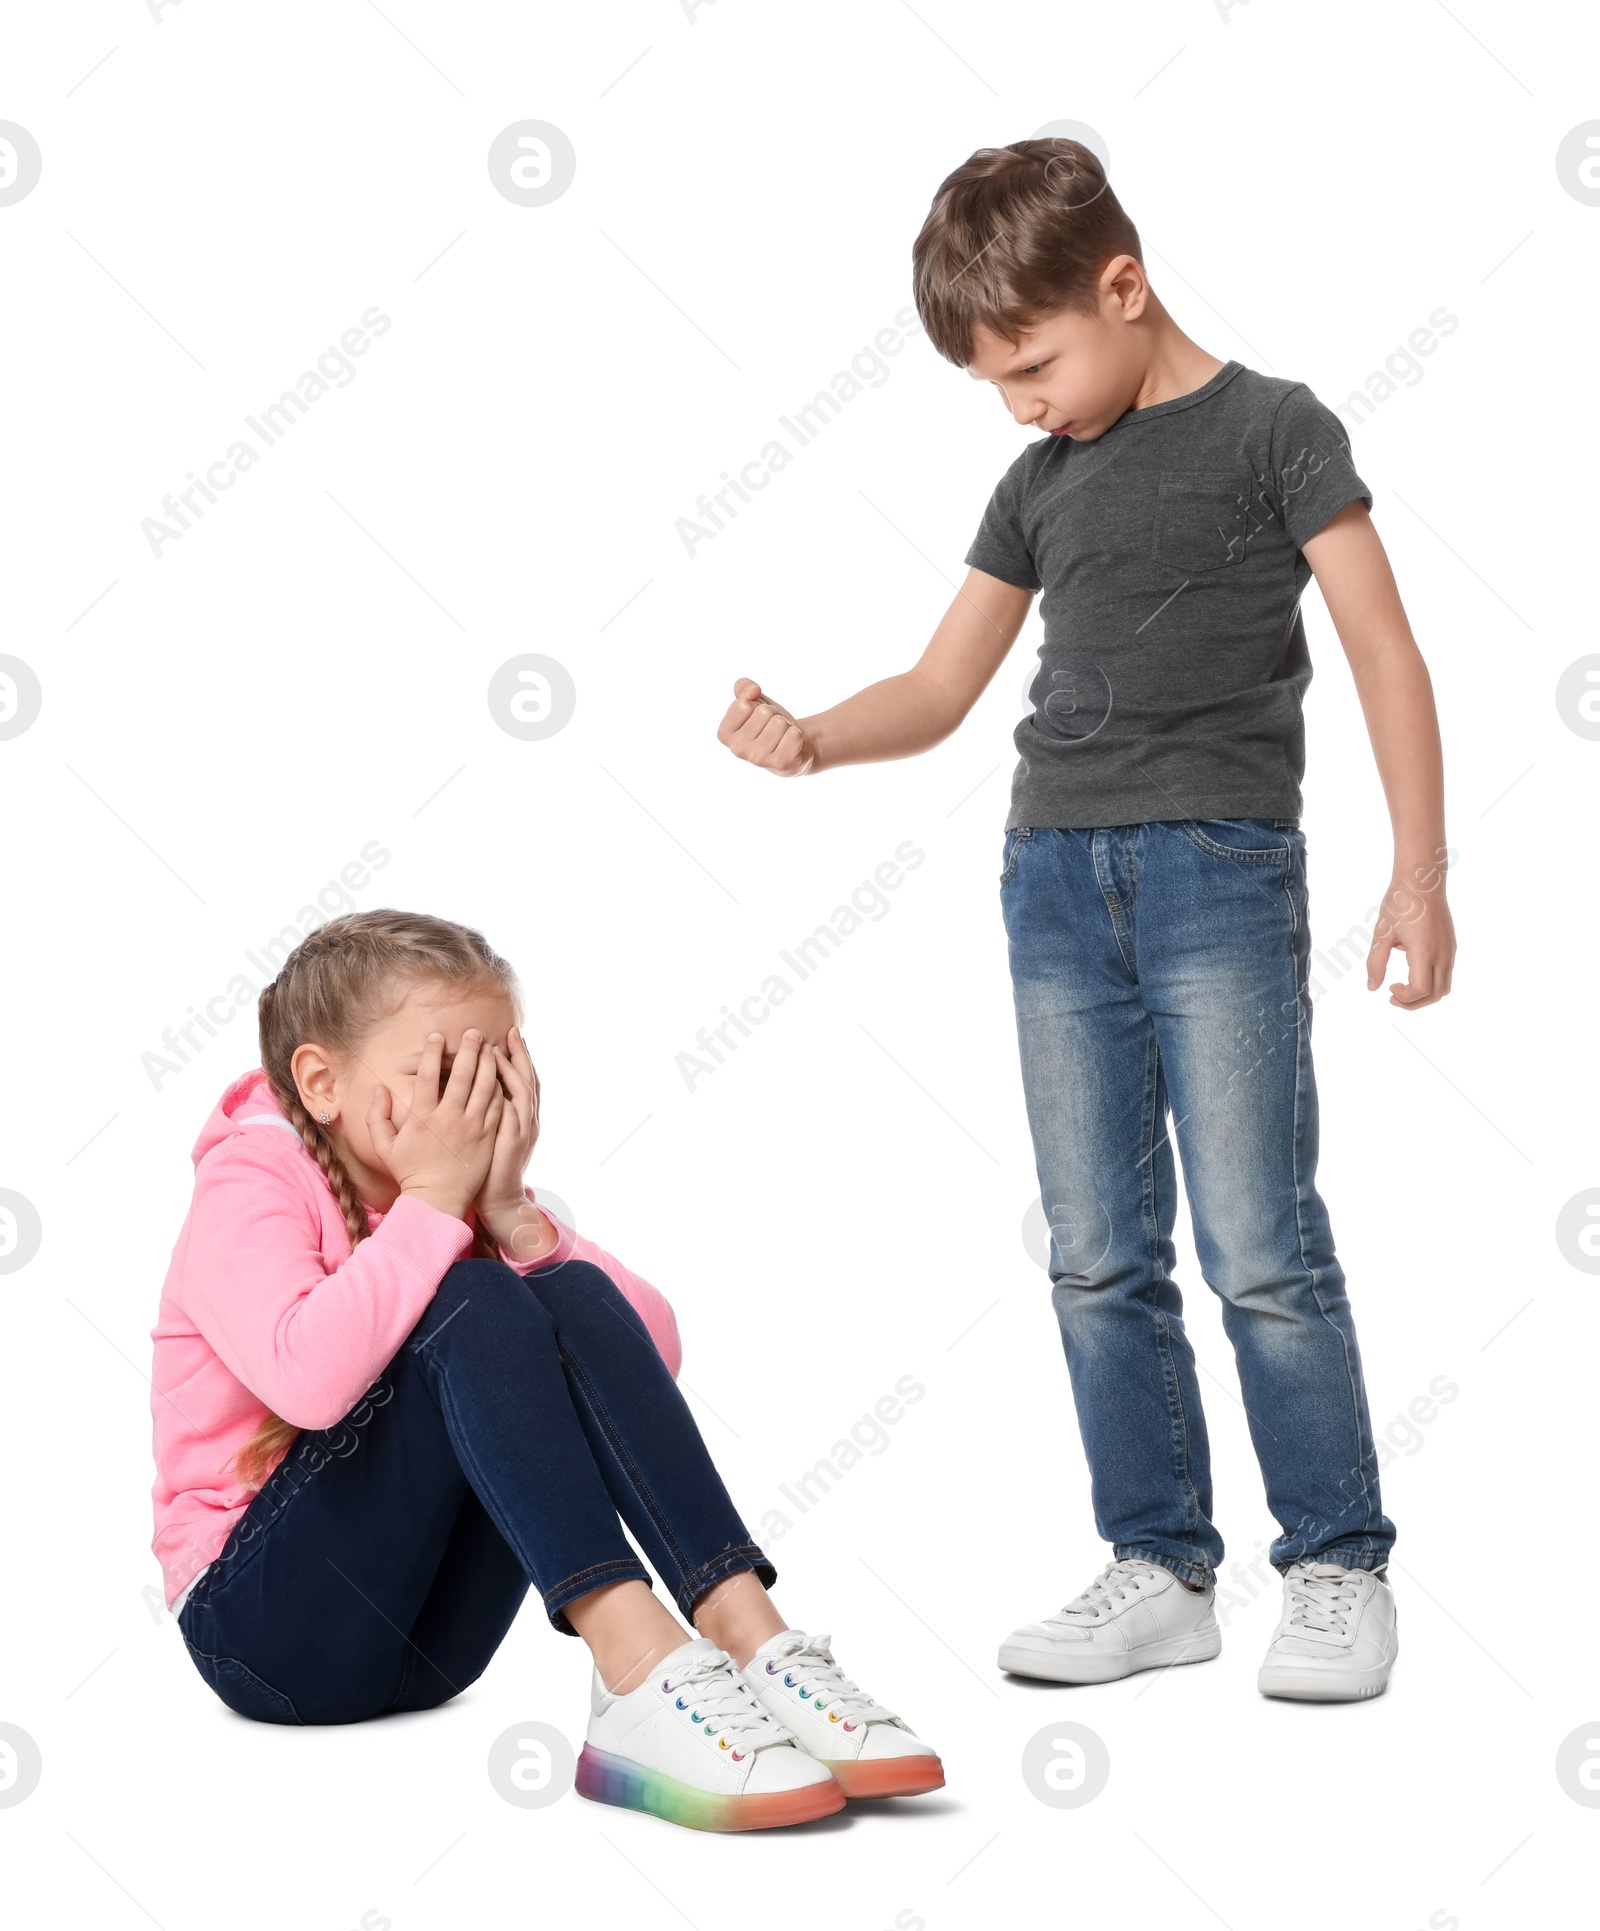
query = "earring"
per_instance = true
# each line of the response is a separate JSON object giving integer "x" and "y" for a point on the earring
{"x": 325, "y": 1118}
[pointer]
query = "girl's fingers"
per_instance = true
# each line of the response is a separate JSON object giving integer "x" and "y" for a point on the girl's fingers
{"x": 510, "y": 1125}
{"x": 508, "y": 1082}
{"x": 533, "y": 1081}
{"x": 459, "y": 1086}
{"x": 511, "y": 1068}
{"x": 518, "y": 1089}
{"x": 494, "y": 1120}
{"x": 425, "y": 1097}
{"x": 524, "y": 1063}
{"x": 485, "y": 1078}
{"x": 380, "y": 1121}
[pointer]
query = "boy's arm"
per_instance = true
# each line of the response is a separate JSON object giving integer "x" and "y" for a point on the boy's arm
{"x": 1396, "y": 695}
{"x": 899, "y": 716}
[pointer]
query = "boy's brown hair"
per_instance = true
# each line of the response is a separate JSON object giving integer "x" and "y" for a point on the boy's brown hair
{"x": 1014, "y": 234}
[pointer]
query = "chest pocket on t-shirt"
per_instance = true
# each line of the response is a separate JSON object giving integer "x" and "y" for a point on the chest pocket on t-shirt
{"x": 1202, "y": 519}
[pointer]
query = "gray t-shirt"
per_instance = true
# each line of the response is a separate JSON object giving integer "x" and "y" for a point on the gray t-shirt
{"x": 1168, "y": 550}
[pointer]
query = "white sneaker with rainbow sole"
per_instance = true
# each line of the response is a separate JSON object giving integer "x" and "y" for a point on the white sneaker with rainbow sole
{"x": 871, "y": 1751}
{"x": 692, "y": 1745}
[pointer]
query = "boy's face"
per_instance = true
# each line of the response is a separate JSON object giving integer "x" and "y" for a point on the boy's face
{"x": 1070, "y": 373}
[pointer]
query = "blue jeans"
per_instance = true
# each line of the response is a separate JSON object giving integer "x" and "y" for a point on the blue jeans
{"x": 1162, "y": 968}
{"x": 383, "y": 1561}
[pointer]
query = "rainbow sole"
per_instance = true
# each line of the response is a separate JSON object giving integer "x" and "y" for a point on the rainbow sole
{"x": 887, "y": 1776}
{"x": 606, "y": 1779}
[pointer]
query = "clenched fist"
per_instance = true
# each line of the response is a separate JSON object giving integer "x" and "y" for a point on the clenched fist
{"x": 762, "y": 732}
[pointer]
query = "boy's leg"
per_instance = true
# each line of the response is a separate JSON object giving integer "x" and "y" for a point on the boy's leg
{"x": 1096, "y": 1097}
{"x": 1223, "y": 953}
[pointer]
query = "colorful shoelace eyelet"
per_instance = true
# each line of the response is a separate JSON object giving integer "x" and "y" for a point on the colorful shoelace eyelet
{"x": 789, "y": 1680}
{"x": 833, "y": 1716}
{"x": 851, "y": 1726}
{"x": 738, "y": 1756}
{"x": 722, "y": 1743}
{"x": 680, "y": 1703}
{"x": 807, "y": 1692}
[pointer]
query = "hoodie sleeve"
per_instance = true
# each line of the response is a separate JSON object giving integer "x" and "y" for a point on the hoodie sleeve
{"x": 307, "y": 1342}
{"x": 649, "y": 1303}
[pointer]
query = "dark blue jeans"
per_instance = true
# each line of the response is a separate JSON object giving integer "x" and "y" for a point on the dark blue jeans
{"x": 1160, "y": 970}
{"x": 382, "y": 1563}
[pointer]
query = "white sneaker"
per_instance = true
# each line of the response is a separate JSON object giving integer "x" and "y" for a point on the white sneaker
{"x": 1135, "y": 1615}
{"x": 692, "y": 1745}
{"x": 1337, "y": 1641}
{"x": 871, "y": 1751}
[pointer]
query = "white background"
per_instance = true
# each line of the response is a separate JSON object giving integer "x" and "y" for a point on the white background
{"x": 841, "y": 1204}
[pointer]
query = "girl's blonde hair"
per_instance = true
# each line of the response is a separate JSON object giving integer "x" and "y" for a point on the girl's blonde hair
{"x": 333, "y": 989}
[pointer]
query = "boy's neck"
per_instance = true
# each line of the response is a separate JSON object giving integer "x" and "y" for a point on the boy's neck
{"x": 1176, "y": 365}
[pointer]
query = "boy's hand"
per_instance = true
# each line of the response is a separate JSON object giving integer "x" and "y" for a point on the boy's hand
{"x": 1415, "y": 921}
{"x": 762, "y": 732}
{"x": 501, "y": 1203}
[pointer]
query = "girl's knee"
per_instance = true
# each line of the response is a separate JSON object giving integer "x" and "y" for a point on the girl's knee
{"x": 484, "y": 1291}
{"x": 487, "y": 1279}
{"x": 476, "y": 1267}
{"x": 583, "y": 1299}
{"x": 571, "y": 1278}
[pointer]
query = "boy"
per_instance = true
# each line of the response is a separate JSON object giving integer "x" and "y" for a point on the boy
{"x": 1153, "y": 887}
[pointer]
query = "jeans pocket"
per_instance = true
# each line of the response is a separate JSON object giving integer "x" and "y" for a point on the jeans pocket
{"x": 242, "y": 1690}
{"x": 1202, "y": 519}
{"x": 1011, "y": 851}
{"x": 1243, "y": 841}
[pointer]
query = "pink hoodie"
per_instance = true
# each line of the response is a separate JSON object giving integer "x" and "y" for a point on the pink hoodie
{"x": 266, "y": 1306}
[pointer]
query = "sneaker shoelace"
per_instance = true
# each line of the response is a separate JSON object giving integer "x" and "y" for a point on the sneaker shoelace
{"x": 710, "y": 1691}
{"x": 1321, "y": 1596}
{"x": 806, "y": 1664}
{"x": 1117, "y": 1582}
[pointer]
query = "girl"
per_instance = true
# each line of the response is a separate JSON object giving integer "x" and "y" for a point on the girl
{"x": 390, "y": 1392}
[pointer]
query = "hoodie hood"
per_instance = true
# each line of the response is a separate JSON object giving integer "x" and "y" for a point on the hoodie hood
{"x": 248, "y": 1101}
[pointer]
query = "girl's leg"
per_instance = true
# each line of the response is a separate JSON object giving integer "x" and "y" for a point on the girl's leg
{"x": 476, "y": 1592}
{"x": 363, "y": 1577}
{"x": 628, "y": 1629}
{"x": 649, "y": 1451}
{"x": 738, "y": 1615}
{"x": 654, "y": 1462}
{"x": 608, "y": 1358}
{"x": 339, "y": 1595}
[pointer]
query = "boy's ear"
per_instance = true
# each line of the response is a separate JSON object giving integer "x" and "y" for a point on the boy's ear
{"x": 1124, "y": 277}
{"x": 314, "y": 1079}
